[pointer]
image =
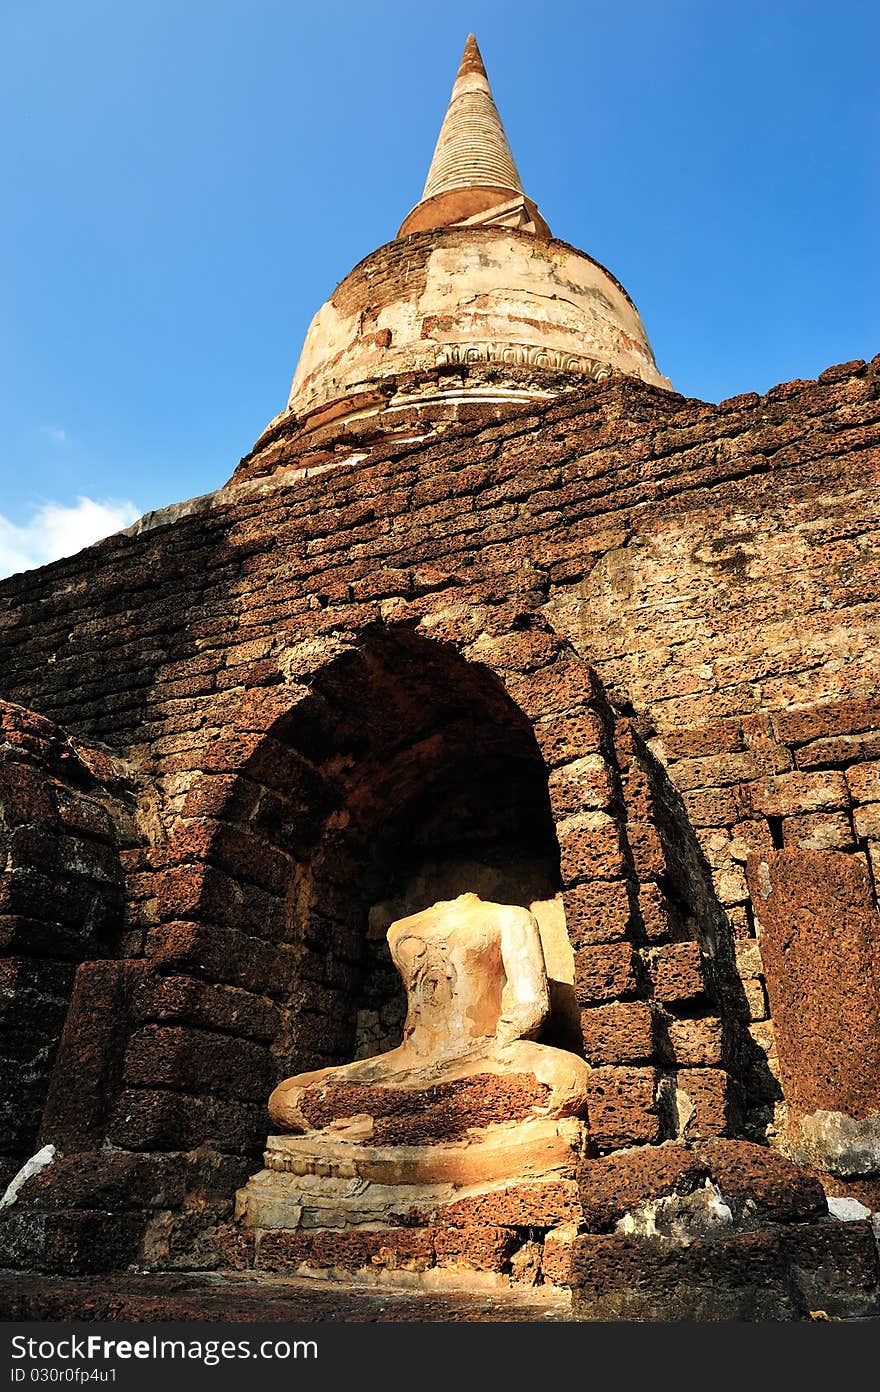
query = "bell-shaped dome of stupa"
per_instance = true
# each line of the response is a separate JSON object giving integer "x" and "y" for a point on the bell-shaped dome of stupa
{"x": 473, "y": 281}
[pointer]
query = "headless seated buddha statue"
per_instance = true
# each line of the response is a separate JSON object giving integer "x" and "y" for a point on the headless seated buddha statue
{"x": 477, "y": 995}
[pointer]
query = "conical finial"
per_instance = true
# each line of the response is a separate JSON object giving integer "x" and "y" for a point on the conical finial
{"x": 472, "y": 149}
{"x": 473, "y": 178}
{"x": 471, "y": 59}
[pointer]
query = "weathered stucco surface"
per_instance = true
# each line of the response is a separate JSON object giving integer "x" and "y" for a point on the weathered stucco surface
{"x": 481, "y": 294}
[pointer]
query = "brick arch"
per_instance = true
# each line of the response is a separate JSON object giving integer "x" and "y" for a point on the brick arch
{"x": 315, "y": 806}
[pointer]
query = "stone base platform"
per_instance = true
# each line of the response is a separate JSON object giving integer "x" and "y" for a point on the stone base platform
{"x": 822, "y": 1270}
{"x": 723, "y": 1230}
{"x": 500, "y": 1206}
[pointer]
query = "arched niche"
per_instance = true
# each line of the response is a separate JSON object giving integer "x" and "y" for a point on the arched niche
{"x": 420, "y": 779}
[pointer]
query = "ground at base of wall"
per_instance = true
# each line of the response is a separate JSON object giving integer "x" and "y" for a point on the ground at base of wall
{"x": 249, "y": 1298}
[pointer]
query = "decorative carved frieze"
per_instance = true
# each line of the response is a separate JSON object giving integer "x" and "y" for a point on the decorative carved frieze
{"x": 523, "y": 355}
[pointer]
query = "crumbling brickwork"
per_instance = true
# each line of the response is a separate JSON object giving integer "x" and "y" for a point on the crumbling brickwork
{"x": 63, "y": 813}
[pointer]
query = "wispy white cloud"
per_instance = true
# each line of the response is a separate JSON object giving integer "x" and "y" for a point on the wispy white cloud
{"x": 57, "y": 530}
{"x": 56, "y": 433}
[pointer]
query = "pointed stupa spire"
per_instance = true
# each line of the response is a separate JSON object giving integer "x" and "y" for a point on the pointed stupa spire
{"x": 472, "y": 149}
{"x": 473, "y": 178}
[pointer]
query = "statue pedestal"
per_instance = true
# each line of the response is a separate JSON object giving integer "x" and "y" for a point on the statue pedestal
{"x": 456, "y": 1151}
{"x": 482, "y": 1207}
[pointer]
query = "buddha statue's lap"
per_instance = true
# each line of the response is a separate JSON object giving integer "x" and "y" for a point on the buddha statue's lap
{"x": 477, "y": 993}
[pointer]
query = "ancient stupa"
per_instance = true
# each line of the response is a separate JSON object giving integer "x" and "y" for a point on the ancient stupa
{"x": 473, "y": 305}
{"x": 488, "y": 774}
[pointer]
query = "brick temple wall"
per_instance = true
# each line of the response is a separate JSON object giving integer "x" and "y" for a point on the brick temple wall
{"x": 662, "y": 613}
{"x": 673, "y": 542}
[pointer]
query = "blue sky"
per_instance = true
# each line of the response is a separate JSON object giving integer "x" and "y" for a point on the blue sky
{"x": 185, "y": 181}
